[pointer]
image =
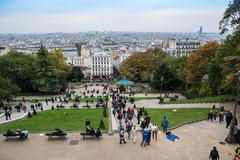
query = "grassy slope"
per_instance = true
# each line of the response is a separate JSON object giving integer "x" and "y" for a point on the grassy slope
{"x": 181, "y": 116}
{"x": 48, "y": 120}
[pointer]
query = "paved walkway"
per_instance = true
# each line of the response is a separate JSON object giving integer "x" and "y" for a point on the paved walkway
{"x": 195, "y": 144}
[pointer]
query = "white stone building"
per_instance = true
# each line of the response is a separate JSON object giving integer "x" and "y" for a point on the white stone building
{"x": 180, "y": 47}
{"x": 102, "y": 65}
{"x": 69, "y": 51}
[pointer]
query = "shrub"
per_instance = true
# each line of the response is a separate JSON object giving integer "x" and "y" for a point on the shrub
{"x": 145, "y": 113}
{"x": 104, "y": 112}
{"x": 132, "y": 100}
{"x": 29, "y": 115}
{"x": 102, "y": 125}
{"x": 173, "y": 99}
{"x": 34, "y": 112}
{"x": 122, "y": 89}
{"x": 192, "y": 93}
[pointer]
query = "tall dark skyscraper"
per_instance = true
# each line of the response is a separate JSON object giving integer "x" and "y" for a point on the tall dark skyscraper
{"x": 200, "y": 30}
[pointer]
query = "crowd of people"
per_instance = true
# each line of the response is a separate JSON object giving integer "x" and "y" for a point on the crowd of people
{"x": 213, "y": 114}
{"x": 131, "y": 120}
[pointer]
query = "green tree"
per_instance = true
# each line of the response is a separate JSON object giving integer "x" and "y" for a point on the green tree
{"x": 133, "y": 67}
{"x": 197, "y": 63}
{"x": 63, "y": 68}
{"x": 231, "y": 17}
{"x": 141, "y": 66}
{"x": 163, "y": 78}
{"x": 178, "y": 67}
{"x": 75, "y": 75}
{"x": 229, "y": 54}
{"x": 19, "y": 68}
{"x": 47, "y": 76}
{"x": 7, "y": 89}
{"x": 214, "y": 75}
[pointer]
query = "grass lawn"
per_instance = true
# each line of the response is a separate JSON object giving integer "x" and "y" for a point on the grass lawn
{"x": 214, "y": 99}
{"x": 142, "y": 98}
{"x": 51, "y": 119}
{"x": 182, "y": 115}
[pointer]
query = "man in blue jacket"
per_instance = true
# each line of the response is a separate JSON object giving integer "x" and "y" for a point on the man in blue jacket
{"x": 144, "y": 137}
{"x": 165, "y": 124}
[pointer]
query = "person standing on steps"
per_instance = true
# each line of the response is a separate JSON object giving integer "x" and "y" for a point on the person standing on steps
{"x": 214, "y": 154}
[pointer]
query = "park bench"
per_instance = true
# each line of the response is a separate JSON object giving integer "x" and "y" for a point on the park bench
{"x": 13, "y": 135}
{"x": 59, "y": 135}
{"x": 90, "y": 135}
{"x": 74, "y": 106}
{"x": 87, "y": 106}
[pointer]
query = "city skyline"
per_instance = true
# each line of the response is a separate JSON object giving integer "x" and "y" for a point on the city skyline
{"x": 18, "y": 16}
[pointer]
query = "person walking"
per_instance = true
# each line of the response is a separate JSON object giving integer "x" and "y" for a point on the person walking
{"x": 221, "y": 115}
{"x": 165, "y": 124}
{"x": 210, "y": 116}
{"x": 6, "y": 115}
{"x": 138, "y": 118}
{"x": 144, "y": 137}
{"x": 229, "y": 118}
{"x": 129, "y": 128}
{"x": 149, "y": 131}
{"x": 154, "y": 131}
{"x": 121, "y": 135}
{"x": 214, "y": 154}
{"x": 134, "y": 133}
{"x": 215, "y": 115}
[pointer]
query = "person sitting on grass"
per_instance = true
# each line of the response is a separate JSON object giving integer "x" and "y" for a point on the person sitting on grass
{"x": 98, "y": 133}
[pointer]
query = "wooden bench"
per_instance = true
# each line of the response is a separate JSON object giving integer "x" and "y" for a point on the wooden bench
{"x": 8, "y": 136}
{"x": 87, "y": 106}
{"x": 90, "y": 135}
{"x": 60, "y": 135}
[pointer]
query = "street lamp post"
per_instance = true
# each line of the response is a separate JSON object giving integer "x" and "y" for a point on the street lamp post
{"x": 161, "y": 86}
{"x": 231, "y": 138}
{"x": 106, "y": 100}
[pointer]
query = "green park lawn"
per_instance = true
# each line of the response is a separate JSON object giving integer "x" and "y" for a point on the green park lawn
{"x": 182, "y": 115}
{"x": 213, "y": 99}
{"x": 51, "y": 119}
{"x": 143, "y": 98}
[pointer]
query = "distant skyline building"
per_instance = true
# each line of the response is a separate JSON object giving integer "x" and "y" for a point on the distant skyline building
{"x": 200, "y": 30}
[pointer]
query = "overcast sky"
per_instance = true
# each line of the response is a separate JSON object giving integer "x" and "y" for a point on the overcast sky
{"x": 38, "y": 16}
